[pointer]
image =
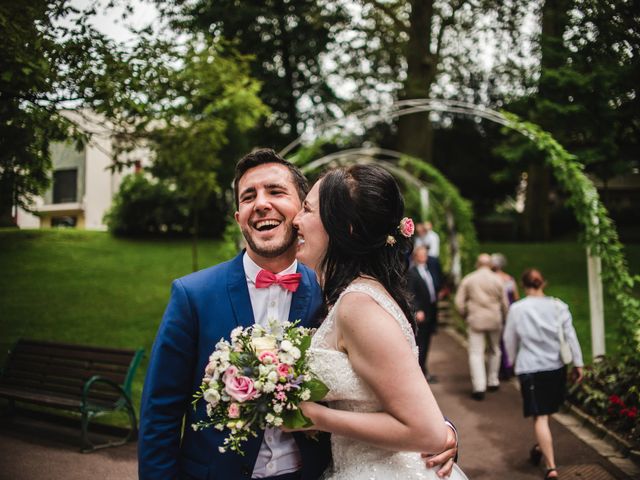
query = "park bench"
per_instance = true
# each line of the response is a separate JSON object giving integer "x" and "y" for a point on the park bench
{"x": 86, "y": 379}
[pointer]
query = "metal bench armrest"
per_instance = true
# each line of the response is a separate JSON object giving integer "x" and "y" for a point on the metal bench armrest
{"x": 99, "y": 379}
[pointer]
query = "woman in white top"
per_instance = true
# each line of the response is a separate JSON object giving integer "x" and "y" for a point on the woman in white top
{"x": 531, "y": 336}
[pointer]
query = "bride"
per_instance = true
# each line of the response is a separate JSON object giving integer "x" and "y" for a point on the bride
{"x": 381, "y": 411}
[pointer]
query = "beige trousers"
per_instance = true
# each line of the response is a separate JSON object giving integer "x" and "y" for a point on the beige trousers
{"x": 481, "y": 376}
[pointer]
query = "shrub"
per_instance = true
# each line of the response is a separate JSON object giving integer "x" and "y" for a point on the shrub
{"x": 149, "y": 207}
{"x": 610, "y": 392}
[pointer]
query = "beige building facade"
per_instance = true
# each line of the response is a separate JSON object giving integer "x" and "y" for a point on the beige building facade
{"x": 83, "y": 185}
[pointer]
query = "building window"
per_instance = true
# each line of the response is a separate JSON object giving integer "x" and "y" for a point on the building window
{"x": 64, "y": 222}
{"x": 65, "y": 185}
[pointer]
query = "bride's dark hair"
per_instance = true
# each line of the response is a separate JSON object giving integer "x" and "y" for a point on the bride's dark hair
{"x": 360, "y": 206}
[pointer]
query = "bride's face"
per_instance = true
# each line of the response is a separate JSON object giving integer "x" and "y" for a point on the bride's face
{"x": 312, "y": 237}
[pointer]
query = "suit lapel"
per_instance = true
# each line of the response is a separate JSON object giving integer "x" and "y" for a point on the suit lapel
{"x": 239, "y": 293}
{"x": 300, "y": 299}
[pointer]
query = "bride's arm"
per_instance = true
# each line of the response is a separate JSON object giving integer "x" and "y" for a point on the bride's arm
{"x": 379, "y": 352}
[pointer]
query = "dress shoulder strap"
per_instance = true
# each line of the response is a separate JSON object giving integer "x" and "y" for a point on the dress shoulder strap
{"x": 382, "y": 298}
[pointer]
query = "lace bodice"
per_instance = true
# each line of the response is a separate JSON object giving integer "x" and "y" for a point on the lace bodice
{"x": 333, "y": 366}
{"x": 353, "y": 460}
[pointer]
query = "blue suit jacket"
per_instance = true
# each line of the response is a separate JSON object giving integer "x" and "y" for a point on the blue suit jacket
{"x": 204, "y": 307}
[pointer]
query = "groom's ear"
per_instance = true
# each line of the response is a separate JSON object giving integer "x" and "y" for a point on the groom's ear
{"x": 236, "y": 215}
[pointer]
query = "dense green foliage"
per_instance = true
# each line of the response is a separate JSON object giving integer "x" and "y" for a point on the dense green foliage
{"x": 600, "y": 235}
{"x": 286, "y": 41}
{"x": 585, "y": 94}
{"x": 146, "y": 207}
{"x": 150, "y": 207}
{"x": 50, "y": 59}
{"x": 610, "y": 392}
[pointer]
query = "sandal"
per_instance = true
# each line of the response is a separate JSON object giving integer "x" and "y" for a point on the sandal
{"x": 548, "y": 472}
{"x": 535, "y": 455}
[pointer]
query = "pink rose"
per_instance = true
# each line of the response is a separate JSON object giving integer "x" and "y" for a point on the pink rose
{"x": 240, "y": 388}
{"x": 283, "y": 370}
{"x": 234, "y": 410}
{"x": 267, "y": 358}
{"x": 229, "y": 372}
{"x": 406, "y": 227}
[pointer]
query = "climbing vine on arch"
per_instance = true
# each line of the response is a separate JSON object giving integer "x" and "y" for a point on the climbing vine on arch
{"x": 600, "y": 235}
{"x": 445, "y": 196}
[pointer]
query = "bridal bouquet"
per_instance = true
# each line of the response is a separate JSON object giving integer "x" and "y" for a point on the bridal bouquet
{"x": 257, "y": 380}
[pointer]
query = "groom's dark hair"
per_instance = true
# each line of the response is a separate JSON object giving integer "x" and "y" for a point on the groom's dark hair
{"x": 263, "y": 156}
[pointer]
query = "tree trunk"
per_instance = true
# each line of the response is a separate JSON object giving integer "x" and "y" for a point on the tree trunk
{"x": 537, "y": 211}
{"x": 6, "y": 202}
{"x": 415, "y": 132}
{"x": 536, "y": 207}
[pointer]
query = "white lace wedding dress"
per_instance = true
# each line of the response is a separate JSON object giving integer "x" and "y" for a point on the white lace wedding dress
{"x": 354, "y": 460}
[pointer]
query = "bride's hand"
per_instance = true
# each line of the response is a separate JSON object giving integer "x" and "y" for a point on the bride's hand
{"x": 445, "y": 459}
{"x": 312, "y": 411}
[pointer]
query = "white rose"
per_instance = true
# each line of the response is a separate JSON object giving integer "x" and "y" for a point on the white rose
{"x": 272, "y": 377}
{"x": 287, "y": 358}
{"x": 264, "y": 344}
{"x": 286, "y": 345}
{"x": 277, "y": 408}
{"x": 277, "y": 421}
{"x": 295, "y": 353}
{"x": 212, "y": 396}
{"x": 269, "y": 417}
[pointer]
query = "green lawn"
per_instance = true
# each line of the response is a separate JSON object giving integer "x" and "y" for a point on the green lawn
{"x": 87, "y": 287}
{"x": 565, "y": 268}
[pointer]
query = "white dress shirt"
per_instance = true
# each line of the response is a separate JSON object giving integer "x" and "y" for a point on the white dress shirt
{"x": 532, "y": 331}
{"x": 279, "y": 453}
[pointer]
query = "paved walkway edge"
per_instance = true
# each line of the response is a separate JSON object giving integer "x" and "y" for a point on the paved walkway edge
{"x": 608, "y": 444}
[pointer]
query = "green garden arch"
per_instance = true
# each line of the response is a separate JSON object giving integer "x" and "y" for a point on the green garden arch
{"x": 605, "y": 258}
{"x": 433, "y": 187}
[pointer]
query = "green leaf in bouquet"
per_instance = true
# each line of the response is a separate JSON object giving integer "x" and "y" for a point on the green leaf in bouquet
{"x": 295, "y": 419}
{"x": 305, "y": 343}
{"x": 234, "y": 358}
{"x": 317, "y": 388}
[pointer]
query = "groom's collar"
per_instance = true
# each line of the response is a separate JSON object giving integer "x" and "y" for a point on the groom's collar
{"x": 251, "y": 268}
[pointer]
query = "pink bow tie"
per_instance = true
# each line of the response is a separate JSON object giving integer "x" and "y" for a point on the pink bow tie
{"x": 289, "y": 281}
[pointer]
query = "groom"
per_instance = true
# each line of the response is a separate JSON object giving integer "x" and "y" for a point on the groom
{"x": 204, "y": 307}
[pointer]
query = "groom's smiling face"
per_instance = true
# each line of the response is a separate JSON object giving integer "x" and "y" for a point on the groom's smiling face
{"x": 267, "y": 204}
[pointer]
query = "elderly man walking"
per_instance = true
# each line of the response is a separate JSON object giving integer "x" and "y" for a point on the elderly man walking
{"x": 482, "y": 302}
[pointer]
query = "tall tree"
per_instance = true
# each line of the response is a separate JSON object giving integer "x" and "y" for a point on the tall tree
{"x": 50, "y": 59}
{"x": 287, "y": 40}
{"x": 425, "y": 48}
{"x": 585, "y": 94}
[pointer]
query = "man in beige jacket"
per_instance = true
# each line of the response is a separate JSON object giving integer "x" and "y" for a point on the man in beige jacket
{"x": 481, "y": 300}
